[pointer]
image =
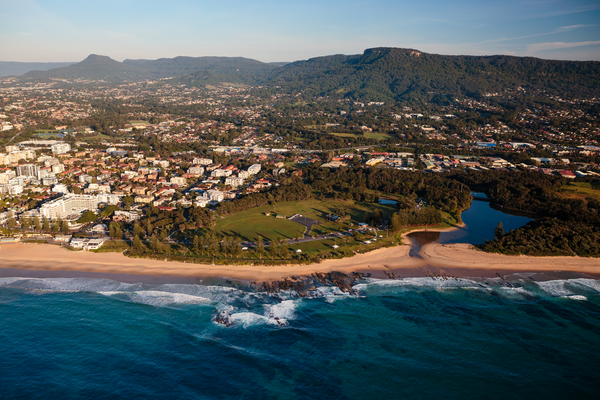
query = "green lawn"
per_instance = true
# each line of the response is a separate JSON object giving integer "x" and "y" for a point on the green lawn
{"x": 117, "y": 246}
{"x": 580, "y": 190}
{"x": 342, "y": 134}
{"x": 249, "y": 224}
{"x": 377, "y": 135}
{"x": 368, "y": 135}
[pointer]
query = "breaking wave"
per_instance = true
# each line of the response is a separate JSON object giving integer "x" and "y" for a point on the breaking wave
{"x": 245, "y": 308}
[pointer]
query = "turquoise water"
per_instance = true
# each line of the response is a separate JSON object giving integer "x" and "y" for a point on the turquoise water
{"x": 411, "y": 338}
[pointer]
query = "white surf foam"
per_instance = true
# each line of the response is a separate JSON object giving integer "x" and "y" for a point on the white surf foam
{"x": 568, "y": 287}
{"x": 247, "y": 319}
{"x": 576, "y": 297}
{"x": 69, "y": 284}
{"x": 157, "y": 298}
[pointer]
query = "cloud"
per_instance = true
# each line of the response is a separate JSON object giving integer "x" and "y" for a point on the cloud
{"x": 566, "y": 11}
{"x": 561, "y": 29}
{"x": 572, "y": 27}
{"x": 537, "y": 47}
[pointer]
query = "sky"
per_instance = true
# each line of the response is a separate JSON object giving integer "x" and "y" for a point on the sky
{"x": 280, "y": 30}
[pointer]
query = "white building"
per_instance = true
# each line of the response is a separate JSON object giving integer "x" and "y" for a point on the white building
{"x": 60, "y": 188}
{"x": 202, "y": 161}
{"x": 128, "y": 216}
{"x": 221, "y": 172}
{"x": 61, "y": 148}
{"x": 28, "y": 170}
{"x": 244, "y": 174}
{"x": 254, "y": 169}
{"x": 215, "y": 195}
{"x": 234, "y": 181}
{"x": 161, "y": 163}
{"x": 16, "y": 156}
{"x": 58, "y": 168}
{"x": 178, "y": 180}
{"x": 201, "y": 202}
{"x": 49, "y": 161}
{"x": 49, "y": 180}
{"x": 7, "y": 176}
{"x": 11, "y": 189}
{"x": 108, "y": 198}
{"x": 196, "y": 170}
{"x": 67, "y": 205}
{"x": 87, "y": 243}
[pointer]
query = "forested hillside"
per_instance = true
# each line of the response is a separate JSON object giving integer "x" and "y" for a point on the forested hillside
{"x": 379, "y": 74}
{"x": 568, "y": 227}
{"x": 405, "y": 74}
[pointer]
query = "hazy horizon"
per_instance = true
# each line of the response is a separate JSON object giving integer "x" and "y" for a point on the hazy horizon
{"x": 270, "y": 31}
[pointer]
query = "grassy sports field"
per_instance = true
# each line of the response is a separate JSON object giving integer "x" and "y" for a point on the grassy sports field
{"x": 580, "y": 190}
{"x": 247, "y": 225}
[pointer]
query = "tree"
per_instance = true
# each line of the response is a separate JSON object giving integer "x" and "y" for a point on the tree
{"x": 196, "y": 243}
{"x": 273, "y": 250}
{"x": 87, "y": 216}
{"x": 65, "y": 228}
{"x": 115, "y": 230}
{"x": 499, "y": 231}
{"x": 37, "y": 223}
{"x": 138, "y": 230}
{"x": 183, "y": 250}
{"x": 108, "y": 210}
{"x": 284, "y": 251}
{"x": 155, "y": 244}
{"x": 260, "y": 247}
{"x": 11, "y": 222}
{"x": 128, "y": 201}
{"x": 56, "y": 225}
{"x": 26, "y": 223}
{"x": 137, "y": 244}
{"x": 46, "y": 226}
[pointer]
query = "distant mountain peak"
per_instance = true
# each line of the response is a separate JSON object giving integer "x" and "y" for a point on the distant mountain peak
{"x": 95, "y": 58}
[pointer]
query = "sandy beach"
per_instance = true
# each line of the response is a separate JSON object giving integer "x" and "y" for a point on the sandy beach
{"x": 456, "y": 259}
{"x": 466, "y": 256}
{"x": 47, "y": 257}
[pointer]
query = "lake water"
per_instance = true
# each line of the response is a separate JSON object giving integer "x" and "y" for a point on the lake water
{"x": 480, "y": 221}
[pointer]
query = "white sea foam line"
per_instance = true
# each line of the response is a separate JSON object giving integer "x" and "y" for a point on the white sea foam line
{"x": 68, "y": 284}
{"x": 418, "y": 282}
{"x": 559, "y": 288}
{"x": 575, "y": 297}
{"x": 153, "y": 297}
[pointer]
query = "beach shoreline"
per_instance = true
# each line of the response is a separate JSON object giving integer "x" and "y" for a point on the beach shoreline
{"x": 467, "y": 256}
{"x": 448, "y": 259}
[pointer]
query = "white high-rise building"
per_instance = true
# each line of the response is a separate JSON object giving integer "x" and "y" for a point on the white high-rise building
{"x": 68, "y": 204}
{"x": 7, "y": 176}
{"x": 61, "y": 148}
{"x": 28, "y": 170}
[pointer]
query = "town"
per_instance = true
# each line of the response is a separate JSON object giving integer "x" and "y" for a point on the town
{"x": 77, "y": 158}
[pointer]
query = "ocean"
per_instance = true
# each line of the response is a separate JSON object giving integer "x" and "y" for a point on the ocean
{"x": 523, "y": 337}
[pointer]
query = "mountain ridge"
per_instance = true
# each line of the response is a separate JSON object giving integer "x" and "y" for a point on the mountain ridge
{"x": 380, "y": 73}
